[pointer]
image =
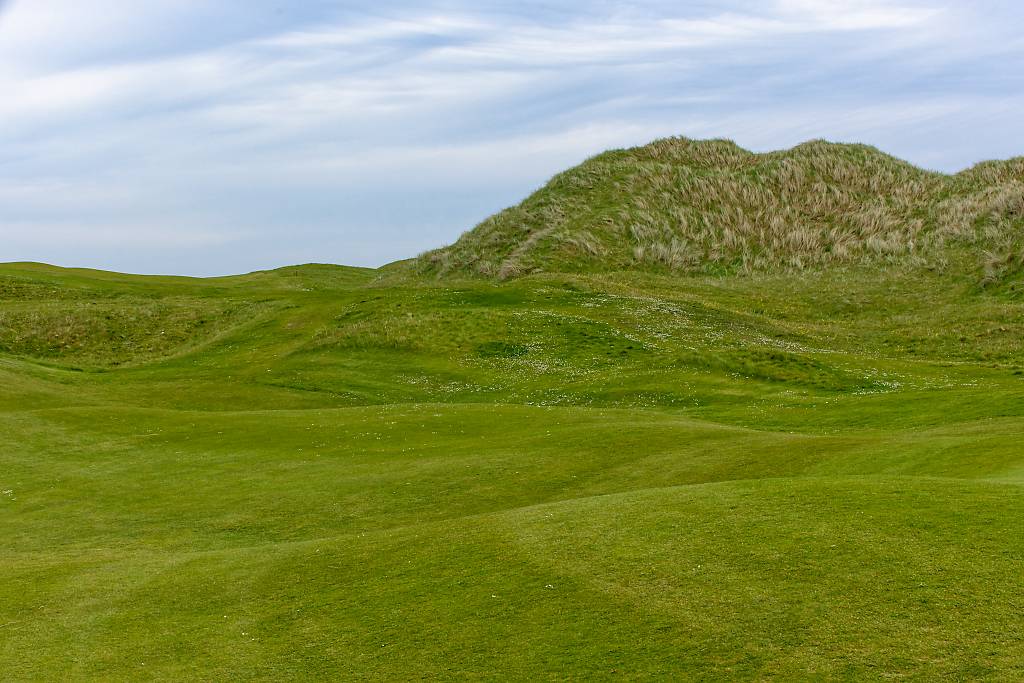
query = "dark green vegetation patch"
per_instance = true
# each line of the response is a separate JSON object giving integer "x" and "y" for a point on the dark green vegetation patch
{"x": 501, "y": 349}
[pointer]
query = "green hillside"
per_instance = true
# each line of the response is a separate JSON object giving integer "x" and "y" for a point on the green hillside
{"x": 793, "y": 453}
{"x": 686, "y": 206}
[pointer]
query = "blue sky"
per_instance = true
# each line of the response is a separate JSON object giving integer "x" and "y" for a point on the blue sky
{"x": 210, "y": 137}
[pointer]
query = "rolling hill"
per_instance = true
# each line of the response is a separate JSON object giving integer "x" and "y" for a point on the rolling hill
{"x": 685, "y": 206}
{"x": 686, "y": 413}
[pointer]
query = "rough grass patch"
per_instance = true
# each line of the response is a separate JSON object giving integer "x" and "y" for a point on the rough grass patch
{"x": 501, "y": 349}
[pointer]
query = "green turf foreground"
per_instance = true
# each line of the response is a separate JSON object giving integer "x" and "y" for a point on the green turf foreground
{"x": 340, "y": 474}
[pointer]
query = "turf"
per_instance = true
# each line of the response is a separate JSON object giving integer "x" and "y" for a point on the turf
{"x": 339, "y": 475}
{"x": 593, "y": 471}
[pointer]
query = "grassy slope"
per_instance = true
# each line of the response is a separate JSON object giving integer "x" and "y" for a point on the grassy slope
{"x": 810, "y": 475}
{"x": 684, "y": 206}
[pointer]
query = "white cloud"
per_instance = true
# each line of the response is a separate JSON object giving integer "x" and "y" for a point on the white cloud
{"x": 36, "y": 34}
{"x": 853, "y": 15}
{"x": 303, "y": 78}
{"x": 71, "y": 234}
{"x": 351, "y": 34}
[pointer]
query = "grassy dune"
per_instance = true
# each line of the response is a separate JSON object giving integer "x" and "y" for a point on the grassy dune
{"x": 687, "y": 206}
{"x": 624, "y": 470}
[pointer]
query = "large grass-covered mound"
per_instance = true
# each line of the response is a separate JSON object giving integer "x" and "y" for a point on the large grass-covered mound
{"x": 611, "y": 467}
{"x": 680, "y": 205}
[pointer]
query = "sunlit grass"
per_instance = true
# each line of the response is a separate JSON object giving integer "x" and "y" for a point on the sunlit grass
{"x": 636, "y": 464}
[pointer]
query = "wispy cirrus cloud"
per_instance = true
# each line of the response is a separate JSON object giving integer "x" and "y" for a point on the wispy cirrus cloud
{"x": 275, "y": 131}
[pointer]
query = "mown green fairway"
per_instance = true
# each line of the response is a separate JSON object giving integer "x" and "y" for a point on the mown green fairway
{"x": 334, "y": 473}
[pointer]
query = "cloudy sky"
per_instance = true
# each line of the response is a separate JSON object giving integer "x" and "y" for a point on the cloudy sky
{"x": 220, "y": 136}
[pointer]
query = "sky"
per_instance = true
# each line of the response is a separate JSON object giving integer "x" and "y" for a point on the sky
{"x": 210, "y": 137}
